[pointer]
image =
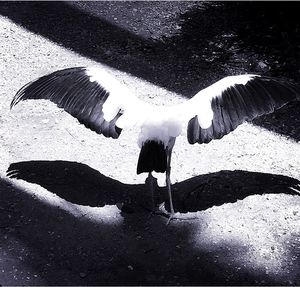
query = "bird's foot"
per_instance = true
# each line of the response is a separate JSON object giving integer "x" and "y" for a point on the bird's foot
{"x": 171, "y": 216}
{"x": 161, "y": 210}
{"x": 175, "y": 216}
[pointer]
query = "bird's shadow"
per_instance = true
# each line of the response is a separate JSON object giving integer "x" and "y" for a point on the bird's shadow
{"x": 68, "y": 244}
{"x": 80, "y": 184}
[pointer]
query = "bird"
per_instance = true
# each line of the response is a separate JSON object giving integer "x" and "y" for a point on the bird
{"x": 106, "y": 106}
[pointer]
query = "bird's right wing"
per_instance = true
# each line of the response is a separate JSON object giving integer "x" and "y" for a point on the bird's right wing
{"x": 221, "y": 107}
{"x": 91, "y": 95}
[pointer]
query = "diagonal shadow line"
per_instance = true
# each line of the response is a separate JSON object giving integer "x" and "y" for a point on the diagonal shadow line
{"x": 163, "y": 64}
{"x": 80, "y": 184}
{"x": 176, "y": 62}
{"x": 179, "y": 63}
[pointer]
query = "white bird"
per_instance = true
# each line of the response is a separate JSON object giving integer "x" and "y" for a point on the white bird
{"x": 106, "y": 106}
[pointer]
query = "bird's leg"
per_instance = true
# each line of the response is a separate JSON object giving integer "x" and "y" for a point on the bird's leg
{"x": 168, "y": 173}
{"x": 168, "y": 183}
{"x": 151, "y": 183}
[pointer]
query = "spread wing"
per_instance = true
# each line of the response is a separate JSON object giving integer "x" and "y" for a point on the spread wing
{"x": 220, "y": 108}
{"x": 106, "y": 106}
{"x": 91, "y": 95}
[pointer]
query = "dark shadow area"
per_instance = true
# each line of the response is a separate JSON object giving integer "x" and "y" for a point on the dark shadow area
{"x": 285, "y": 121}
{"x": 262, "y": 31}
{"x": 214, "y": 189}
{"x": 80, "y": 184}
{"x": 65, "y": 249}
{"x": 164, "y": 63}
{"x": 272, "y": 30}
{"x": 250, "y": 37}
{"x": 74, "y": 182}
{"x": 199, "y": 53}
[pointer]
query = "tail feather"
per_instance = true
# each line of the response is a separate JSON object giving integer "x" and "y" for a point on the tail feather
{"x": 153, "y": 157}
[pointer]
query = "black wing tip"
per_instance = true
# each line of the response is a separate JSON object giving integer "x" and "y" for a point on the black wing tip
{"x": 12, "y": 104}
{"x": 20, "y": 95}
{"x": 17, "y": 98}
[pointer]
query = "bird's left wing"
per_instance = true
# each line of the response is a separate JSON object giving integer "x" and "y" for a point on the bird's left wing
{"x": 221, "y": 107}
{"x": 91, "y": 95}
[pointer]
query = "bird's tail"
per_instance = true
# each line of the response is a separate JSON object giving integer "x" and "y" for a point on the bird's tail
{"x": 153, "y": 157}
